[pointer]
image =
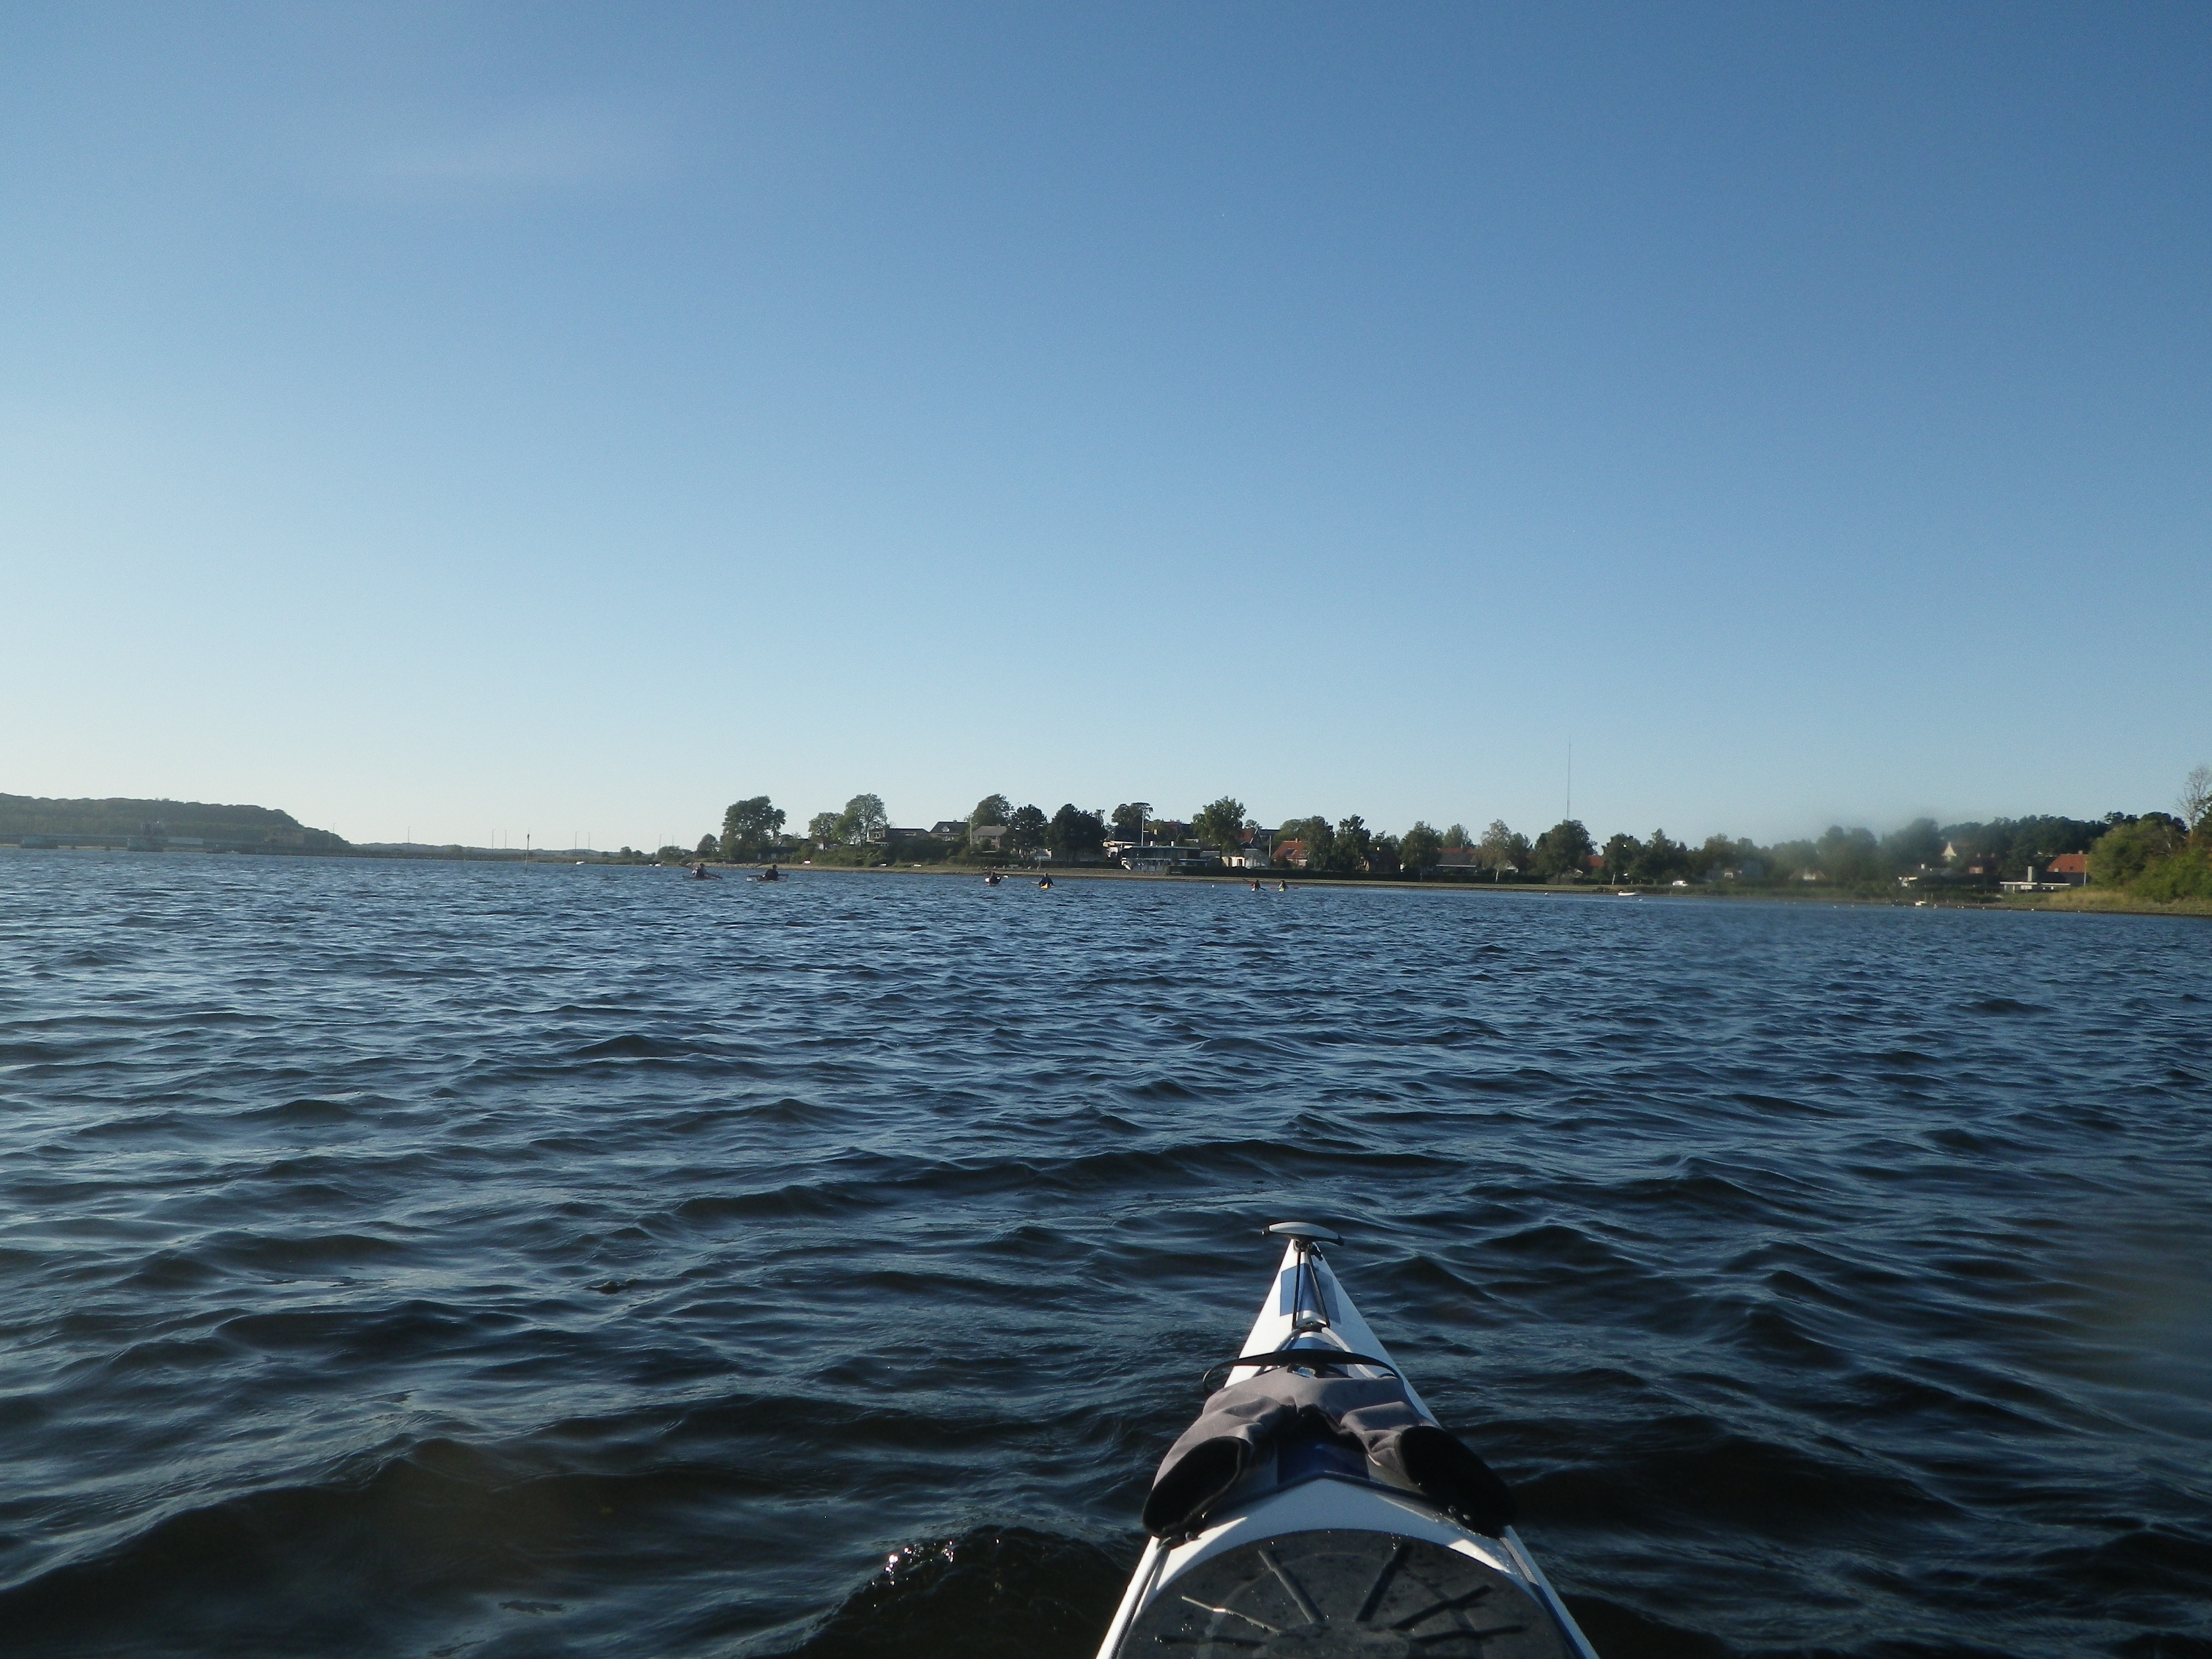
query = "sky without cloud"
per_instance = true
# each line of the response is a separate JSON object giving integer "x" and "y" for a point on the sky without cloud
{"x": 490, "y": 420}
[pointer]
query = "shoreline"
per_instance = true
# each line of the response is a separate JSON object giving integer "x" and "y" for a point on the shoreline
{"x": 2084, "y": 901}
{"x": 2078, "y": 901}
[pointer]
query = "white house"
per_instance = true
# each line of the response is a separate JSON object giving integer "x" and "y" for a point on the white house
{"x": 1167, "y": 859}
{"x": 1252, "y": 853}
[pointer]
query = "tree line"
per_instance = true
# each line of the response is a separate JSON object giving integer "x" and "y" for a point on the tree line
{"x": 2161, "y": 856}
{"x": 2169, "y": 852}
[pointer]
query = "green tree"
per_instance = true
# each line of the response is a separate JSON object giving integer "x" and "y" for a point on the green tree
{"x": 1984, "y": 844}
{"x": 2185, "y": 874}
{"x": 864, "y": 818}
{"x": 749, "y": 827}
{"x": 1128, "y": 819}
{"x": 1960, "y": 844}
{"x": 1349, "y": 845}
{"x": 1417, "y": 850}
{"x": 1220, "y": 824}
{"x": 2124, "y": 854}
{"x": 1622, "y": 854}
{"x": 1563, "y": 850}
{"x": 1075, "y": 834}
{"x": 1850, "y": 855}
{"x": 1455, "y": 837}
{"x": 1026, "y": 829}
{"x": 1919, "y": 843}
{"x": 992, "y": 809}
{"x": 1314, "y": 834}
{"x": 1790, "y": 858}
{"x": 1662, "y": 861}
{"x": 826, "y": 830}
{"x": 708, "y": 847}
{"x": 1719, "y": 853}
{"x": 1501, "y": 849}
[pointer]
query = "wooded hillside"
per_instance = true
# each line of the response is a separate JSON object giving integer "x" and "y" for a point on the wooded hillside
{"x": 246, "y": 826}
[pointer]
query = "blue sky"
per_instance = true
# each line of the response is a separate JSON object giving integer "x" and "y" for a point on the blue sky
{"x": 502, "y": 420}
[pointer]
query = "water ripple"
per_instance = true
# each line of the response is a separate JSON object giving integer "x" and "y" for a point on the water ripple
{"x": 494, "y": 1259}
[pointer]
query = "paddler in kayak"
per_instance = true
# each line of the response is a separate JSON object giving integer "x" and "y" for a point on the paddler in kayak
{"x": 1045, "y": 882}
{"x": 771, "y": 874}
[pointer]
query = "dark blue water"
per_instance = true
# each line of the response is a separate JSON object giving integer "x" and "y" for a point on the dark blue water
{"x": 449, "y": 1260}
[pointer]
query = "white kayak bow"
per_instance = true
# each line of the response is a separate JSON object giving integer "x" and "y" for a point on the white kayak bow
{"x": 1316, "y": 1510}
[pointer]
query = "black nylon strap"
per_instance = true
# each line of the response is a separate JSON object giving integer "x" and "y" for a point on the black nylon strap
{"x": 1315, "y": 1357}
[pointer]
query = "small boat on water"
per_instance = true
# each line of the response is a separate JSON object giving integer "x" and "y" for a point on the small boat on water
{"x": 1317, "y": 1508}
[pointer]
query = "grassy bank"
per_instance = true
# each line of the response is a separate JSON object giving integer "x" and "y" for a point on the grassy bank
{"x": 2106, "y": 899}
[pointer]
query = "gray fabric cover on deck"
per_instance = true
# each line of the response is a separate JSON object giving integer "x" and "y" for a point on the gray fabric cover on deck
{"x": 1239, "y": 1423}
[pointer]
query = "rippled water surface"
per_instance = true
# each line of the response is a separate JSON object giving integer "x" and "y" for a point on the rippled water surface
{"x": 444, "y": 1260}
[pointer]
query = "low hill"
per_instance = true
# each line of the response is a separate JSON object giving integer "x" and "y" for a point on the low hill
{"x": 150, "y": 821}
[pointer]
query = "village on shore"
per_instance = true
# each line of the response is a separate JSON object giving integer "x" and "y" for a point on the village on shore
{"x": 2165, "y": 856}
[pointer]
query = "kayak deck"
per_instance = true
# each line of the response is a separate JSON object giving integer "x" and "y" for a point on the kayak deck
{"x": 1318, "y": 1552}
